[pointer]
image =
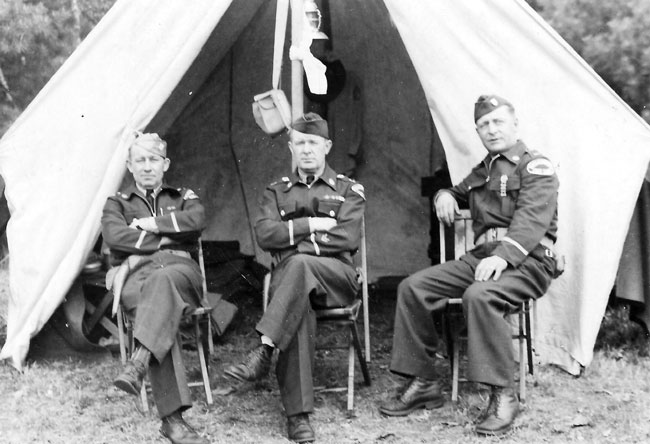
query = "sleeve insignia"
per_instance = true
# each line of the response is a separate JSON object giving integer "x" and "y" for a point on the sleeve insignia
{"x": 325, "y": 238}
{"x": 540, "y": 167}
{"x": 189, "y": 194}
{"x": 358, "y": 188}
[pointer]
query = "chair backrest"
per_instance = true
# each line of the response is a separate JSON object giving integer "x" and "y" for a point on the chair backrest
{"x": 364, "y": 288}
{"x": 202, "y": 266}
{"x": 363, "y": 277}
{"x": 463, "y": 236}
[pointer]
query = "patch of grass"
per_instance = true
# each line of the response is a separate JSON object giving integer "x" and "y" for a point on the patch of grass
{"x": 73, "y": 402}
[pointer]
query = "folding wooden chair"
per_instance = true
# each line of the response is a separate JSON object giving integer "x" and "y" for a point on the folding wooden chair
{"x": 200, "y": 320}
{"x": 454, "y": 320}
{"x": 347, "y": 317}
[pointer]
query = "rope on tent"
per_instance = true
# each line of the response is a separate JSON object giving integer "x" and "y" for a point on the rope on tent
{"x": 234, "y": 156}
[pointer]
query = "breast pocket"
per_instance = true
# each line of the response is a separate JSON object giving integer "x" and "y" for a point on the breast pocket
{"x": 510, "y": 188}
{"x": 287, "y": 210}
{"x": 328, "y": 208}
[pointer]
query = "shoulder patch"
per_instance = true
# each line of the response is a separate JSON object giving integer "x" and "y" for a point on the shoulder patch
{"x": 189, "y": 195}
{"x": 540, "y": 167}
{"x": 358, "y": 188}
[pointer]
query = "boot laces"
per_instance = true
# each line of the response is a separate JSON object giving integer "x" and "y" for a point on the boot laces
{"x": 413, "y": 387}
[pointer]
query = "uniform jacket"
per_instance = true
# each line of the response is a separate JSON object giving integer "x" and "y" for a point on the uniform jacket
{"x": 178, "y": 212}
{"x": 283, "y": 226}
{"x": 517, "y": 190}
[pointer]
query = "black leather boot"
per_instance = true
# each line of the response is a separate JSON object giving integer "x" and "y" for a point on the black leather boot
{"x": 500, "y": 413}
{"x": 420, "y": 393}
{"x": 256, "y": 365}
{"x": 299, "y": 429}
{"x": 130, "y": 380}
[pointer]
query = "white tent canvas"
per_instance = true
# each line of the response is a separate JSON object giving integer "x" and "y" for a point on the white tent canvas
{"x": 66, "y": 152}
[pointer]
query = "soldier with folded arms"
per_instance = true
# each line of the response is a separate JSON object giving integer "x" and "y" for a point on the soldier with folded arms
{"x": 311, "y": 224}
{"x": 150, "y": 227}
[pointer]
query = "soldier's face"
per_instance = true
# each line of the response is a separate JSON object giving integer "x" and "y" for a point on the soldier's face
{"x": 498, "y": 130}
{"x": 147, "y": 168}
{"x": 309, "y": 151}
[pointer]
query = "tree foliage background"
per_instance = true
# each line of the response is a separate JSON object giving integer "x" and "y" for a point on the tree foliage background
{"x": 36, "y": 36}
{"x": 613, "y": 36}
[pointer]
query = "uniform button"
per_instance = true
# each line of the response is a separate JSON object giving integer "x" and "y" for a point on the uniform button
{"x": 332, "y": 213}
{"x": 282, "y": 213}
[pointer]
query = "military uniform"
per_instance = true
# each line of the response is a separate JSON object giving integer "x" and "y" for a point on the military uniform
{"x": 163, "y": 281}
{"x": 310, "y": 269}
{"x": 513, "y": 203}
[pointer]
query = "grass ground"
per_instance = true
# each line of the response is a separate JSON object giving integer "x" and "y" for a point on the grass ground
{"x": 72, "y": 401}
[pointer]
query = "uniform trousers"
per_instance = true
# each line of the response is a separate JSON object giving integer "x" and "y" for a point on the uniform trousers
{"x": 298, "y": 284}
{"x": 156, "y": 293}
{"x": 485, "y": 305}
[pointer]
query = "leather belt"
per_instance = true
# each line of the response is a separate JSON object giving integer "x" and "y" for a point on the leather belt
{"x": 491, "y": 235}
{"x": 497, "y": 233}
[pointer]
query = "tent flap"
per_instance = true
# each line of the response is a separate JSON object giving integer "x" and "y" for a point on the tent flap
{"x": 191, "y": 74}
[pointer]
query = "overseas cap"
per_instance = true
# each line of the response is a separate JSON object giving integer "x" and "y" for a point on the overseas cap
{"x": 152, "y": 143}
{"x": 311, "y": 123}
{"x": 488, "y": 103}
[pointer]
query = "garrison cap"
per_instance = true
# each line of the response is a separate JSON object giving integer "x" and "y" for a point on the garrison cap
{"x": 311, "y": 123}
{"x": 152, "y": 143}
{"x": 488, "y": 103}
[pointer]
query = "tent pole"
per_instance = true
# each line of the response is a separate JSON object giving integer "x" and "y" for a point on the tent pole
{"x": 297, "y": 99}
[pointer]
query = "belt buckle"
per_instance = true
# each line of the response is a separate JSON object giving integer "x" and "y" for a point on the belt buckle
{"x": 548, "y": 252}
{"x": 491, "y": 234}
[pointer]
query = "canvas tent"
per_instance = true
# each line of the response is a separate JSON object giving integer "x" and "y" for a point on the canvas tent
{"x": 190, "y": 72}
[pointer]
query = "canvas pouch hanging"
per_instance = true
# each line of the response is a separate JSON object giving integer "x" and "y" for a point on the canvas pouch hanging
{"x": 271, "y": 109}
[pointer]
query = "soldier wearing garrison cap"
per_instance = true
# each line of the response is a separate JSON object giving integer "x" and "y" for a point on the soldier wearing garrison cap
{"x": 310, "y": 222}
{"x": 512, "y": 196}
{"x": 149, "y": 227}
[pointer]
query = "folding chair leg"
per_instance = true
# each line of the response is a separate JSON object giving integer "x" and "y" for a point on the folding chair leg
{"x": 522, "y": 364}
{"x": 362, "y": 362}
{"x": 210, "y": 336}
{"x": 143, "y": 397}
{"x": 202, "y": 360}
{"x": 351, "y": 377}
{"x": 120, "y": 336}
{"x": 455, "y": 346}
{"x": 529, "y": 340}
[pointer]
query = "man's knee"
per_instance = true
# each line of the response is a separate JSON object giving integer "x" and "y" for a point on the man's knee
{"x": 478, "y": 298}
{"x": 297, "y": 262}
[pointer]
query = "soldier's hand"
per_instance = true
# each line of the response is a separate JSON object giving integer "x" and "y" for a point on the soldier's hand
{"x": 164, "y": 240}
{"x": 321, "y": 223}
{"x": 493, "y": 265}
{"x": 446, "y": 208}
{"x": 146, "y": 224}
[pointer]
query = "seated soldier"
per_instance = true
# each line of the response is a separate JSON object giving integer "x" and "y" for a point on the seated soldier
{"x": 512, "y": 196}
{"x": 149, "y": 227}
{"x": 311, "y": 223}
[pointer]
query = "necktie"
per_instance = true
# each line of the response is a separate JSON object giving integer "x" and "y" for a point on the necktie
{"x": 309, "y": 179}
{"x": 150, "y": 197}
